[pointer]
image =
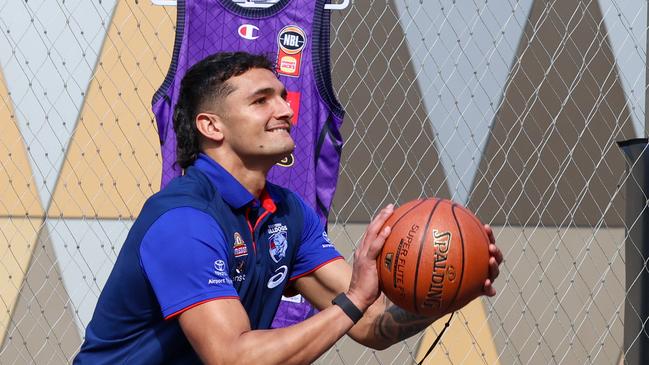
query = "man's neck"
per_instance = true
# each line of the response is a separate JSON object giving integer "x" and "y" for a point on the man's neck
{"x": 252, "y": 177}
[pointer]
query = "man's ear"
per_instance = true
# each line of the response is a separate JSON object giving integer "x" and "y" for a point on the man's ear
{"x": 210, "y": 126}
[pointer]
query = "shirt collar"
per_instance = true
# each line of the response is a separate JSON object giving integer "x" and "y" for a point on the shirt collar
{"x": 235, "y": 194}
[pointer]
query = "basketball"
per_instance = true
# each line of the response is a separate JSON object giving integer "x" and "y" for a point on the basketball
{"x": 436, "y": 258}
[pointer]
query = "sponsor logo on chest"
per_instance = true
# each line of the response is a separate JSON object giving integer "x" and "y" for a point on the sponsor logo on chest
{"x": 278, "y": 277}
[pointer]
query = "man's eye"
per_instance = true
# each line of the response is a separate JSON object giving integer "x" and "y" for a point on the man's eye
{"x": 260, "y": 101}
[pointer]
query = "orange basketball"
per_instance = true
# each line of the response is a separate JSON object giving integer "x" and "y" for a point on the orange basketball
{"x": 436, "y": 259}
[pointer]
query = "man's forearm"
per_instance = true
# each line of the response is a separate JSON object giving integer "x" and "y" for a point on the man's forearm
{"x": 235, "y": 343}
{"x": 386, "y": 324}
{"x": 396, "y": 324}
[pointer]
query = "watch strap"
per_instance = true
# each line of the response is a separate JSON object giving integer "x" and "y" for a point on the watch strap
{"x": 350, "y": 309}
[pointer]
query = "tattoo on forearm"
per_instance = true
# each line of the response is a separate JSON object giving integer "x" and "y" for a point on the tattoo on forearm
{"x": 395, "y": 324}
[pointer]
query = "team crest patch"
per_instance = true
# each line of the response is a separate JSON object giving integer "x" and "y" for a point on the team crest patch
{"x": 291, "y": 41}
{"x": 240, "y": 248}
{"x": 277, "y": 241}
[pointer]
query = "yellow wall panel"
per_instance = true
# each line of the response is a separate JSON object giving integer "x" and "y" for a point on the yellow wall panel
{"x": 17, "y": 241}
{"x": 114, "y": 160}
{"x": 18, "y": 196}
{"x": 468, "y": 340}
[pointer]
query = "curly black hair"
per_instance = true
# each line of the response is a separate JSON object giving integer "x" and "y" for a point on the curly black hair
{"x": 206, "y": 81}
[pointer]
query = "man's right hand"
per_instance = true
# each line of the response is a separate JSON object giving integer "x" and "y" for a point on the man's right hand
{"x": 364, "y": 285}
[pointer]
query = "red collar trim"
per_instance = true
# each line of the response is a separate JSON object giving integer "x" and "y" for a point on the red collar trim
{"x": 267, "y": 202}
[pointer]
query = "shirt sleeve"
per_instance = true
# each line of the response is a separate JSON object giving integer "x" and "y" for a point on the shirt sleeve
{"x": 185, "y": 258}
{"x": 316, "y": 250}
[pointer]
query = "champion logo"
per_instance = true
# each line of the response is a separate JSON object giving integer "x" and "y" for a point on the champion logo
{"x": 248, "y": 31}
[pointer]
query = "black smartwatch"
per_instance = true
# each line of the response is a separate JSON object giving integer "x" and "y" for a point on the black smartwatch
{"x": 348, "y": 307}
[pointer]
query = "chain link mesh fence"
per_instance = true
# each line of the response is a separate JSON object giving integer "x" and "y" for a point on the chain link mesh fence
{"x": 509, "y": 107}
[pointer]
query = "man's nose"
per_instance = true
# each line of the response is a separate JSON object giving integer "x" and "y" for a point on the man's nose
{"x": 284, "y": 110}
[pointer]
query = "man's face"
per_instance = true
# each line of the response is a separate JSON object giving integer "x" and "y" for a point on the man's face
{"x": 256, "y": 118}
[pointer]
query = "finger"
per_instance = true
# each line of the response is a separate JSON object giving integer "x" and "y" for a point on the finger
{"x": 377, "y": 244}
{"x": 490, "y": 233}
{"x": 488, "y": 288}
{"x": 494, "y": 270}
{"x": 495, "y": 252}
{"x": 373, "y": 229}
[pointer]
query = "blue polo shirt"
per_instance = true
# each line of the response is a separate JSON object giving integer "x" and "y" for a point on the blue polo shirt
{"x": 204, "y": 237}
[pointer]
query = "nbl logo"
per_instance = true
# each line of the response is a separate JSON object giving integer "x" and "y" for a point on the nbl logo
{"x": 291, "y": 41}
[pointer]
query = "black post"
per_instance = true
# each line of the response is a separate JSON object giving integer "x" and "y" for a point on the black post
{"x": 636, "y": 307}
{"x": 646, "y": 78}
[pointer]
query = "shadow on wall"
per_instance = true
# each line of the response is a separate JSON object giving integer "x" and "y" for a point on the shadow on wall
{"x": 389, "y": 154}
{"x": 551, "y": 159}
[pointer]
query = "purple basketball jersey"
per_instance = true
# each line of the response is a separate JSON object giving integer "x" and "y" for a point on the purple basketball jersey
{"x": 295, "y": 34}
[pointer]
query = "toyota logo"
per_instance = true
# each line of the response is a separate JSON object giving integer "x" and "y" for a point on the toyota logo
{"x": 219, "y": 265}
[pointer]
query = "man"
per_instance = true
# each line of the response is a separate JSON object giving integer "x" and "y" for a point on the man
{"x": 204, "y": 266}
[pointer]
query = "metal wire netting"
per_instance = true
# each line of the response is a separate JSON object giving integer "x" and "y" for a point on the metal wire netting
{"x": 511, "y": 108}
